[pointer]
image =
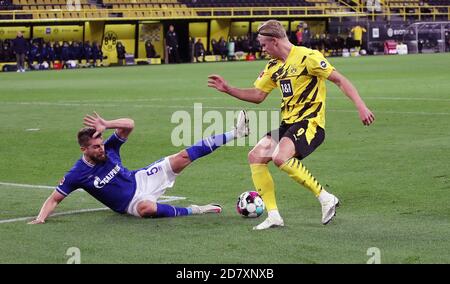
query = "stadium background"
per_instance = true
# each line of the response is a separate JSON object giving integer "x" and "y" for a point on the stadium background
{"x": 135, "y": 21}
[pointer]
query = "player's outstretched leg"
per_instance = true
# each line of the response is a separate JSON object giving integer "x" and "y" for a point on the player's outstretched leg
{"x": 241, "y": 128}
{"x": 166, "y": 210}
{"x": 184, "y": 158}
{"x": 208, "y": 145}
{"x": 203, "y": 209}
{"x": 147, "y": 209}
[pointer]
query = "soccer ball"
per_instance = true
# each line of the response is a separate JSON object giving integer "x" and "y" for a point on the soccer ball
{"x": 250, "y": 204}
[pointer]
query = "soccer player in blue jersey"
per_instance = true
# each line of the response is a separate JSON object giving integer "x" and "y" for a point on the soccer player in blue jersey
{"x": 100, "y": 171}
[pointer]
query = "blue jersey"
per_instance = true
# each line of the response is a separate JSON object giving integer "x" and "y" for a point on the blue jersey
{"x": 108, "y": 182}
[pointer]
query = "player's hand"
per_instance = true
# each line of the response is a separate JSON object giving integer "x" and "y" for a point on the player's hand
{"x": 217, "y": 82}
{"x": 36, "y": 221}
{"x": 366, "y": 115}
{"x": 95, "y": 121}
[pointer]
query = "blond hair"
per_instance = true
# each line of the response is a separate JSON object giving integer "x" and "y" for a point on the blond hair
{"x": 272, "y": 28}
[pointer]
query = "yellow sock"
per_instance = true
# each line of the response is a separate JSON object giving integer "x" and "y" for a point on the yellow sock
{"x": 300, "y": 174}
{"x": 264, "y": 185}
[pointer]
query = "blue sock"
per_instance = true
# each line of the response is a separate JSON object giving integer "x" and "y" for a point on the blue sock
{"x": 166, "y": 210}
{"x": 208, "y": 145}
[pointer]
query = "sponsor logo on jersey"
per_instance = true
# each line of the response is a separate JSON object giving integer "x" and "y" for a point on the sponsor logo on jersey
{"x": 100, "y": 183}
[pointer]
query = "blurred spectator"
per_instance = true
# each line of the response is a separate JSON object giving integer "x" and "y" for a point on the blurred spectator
{"x": 349, "y": 42}
{"x": 237, "y": 44}
{"x": 20, "y": 49}
{"x": 8, "y": 54}
{"x": 447, "y": 42}
{"x": 215, "y": 47}
{"x": 50, "y": 52}
{"x": 223, "y": 50}
{"x": 65, "y": 53}
{"x": 231, "y": 53}
{"x": 172, "y": 45}
{"x": 120, "y": 53}
{"x": 44, "y": 55}
{"x": 150, "y": 50}
{"x": 2, "y": 56}
{"x": 246, "y": 44}
{"x": 87, "y": 50}
{"x": 6, "y": 5}
{"x": 306, "y": 36}
{"x": 57, "y": 50}
{"x": 420, "y": 45}
{"x": 97, "y": 53}
{"x": 34, "y": 54}
{"x": 299, "y": 35}
{"x": 256, "y": 46}
{"x": 76, "y": 51}
{"x": 199, "y": 50}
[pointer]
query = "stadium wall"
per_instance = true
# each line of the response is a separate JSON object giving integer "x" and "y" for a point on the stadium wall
{"x": 59, "y": 33}
{"x": 199, "y": 30}
{"x": 134, "y": 34}
{"x": 11, "y": 32}
{"x": 219, "y": 28}
{"x": 124, "y": 33}
{"x": 93, "y": 31}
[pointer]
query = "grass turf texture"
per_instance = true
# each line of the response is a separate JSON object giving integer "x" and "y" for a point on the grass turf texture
{"x": 392, "y": 177}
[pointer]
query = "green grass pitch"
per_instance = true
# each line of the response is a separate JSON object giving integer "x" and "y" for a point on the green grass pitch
{"x": 393, "y": 178}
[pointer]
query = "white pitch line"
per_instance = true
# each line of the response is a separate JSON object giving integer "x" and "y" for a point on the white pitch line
{"x": 396, "y": 99}
{"x": 53, "y": 215}
{"x": 208, "y": 98}
{"x": 163, "y": 199}
{"x": 53, "y": 187}
{"x": 27, "y": 185}
{"x": 216, "y": 107}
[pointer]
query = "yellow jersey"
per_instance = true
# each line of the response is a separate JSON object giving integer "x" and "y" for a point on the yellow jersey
{"x": 301, "y": 79}
{"x": 358, "y": 32}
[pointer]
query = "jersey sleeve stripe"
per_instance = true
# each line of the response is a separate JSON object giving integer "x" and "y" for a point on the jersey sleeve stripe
{"x": 60, "y": 191}
{"x": 119, "y": 138}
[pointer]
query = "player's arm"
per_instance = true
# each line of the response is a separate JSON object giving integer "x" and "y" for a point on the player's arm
{"x": 350, "y": 91}
{"x": 49, "y": 205}
{"x": 123, "y": 126}
{"x": 252, "y": 95}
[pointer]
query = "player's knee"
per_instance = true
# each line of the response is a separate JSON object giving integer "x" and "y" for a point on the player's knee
{"x": 279, "y": 160}
{"x": 257, "y": 155}
{"x": 183, "y": 155}
{"x": 179, "y": 161}
{"x": 147, "y": 209}
{"x": 254, "y": 156}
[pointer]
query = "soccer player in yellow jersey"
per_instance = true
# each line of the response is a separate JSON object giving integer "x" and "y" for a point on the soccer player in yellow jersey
{"x": 300, "y": 74}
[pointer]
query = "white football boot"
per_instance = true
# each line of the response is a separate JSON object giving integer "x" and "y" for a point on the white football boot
{"x": 329, "y": 204}
{"x": 241, "y": 129}
{"x": 209, "y": 208}
{"x": 270, "y": 222}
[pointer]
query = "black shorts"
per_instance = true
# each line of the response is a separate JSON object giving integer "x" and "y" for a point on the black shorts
{"x": 300, "y": 132}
